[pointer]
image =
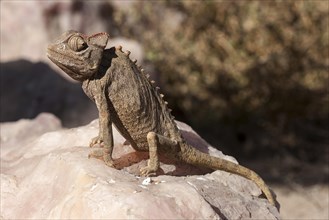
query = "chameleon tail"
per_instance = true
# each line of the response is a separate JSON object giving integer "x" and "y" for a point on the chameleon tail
{"x": 198, "y": 158}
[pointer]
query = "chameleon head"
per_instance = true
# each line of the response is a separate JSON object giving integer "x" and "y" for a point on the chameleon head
{"x": 78, "y": 55}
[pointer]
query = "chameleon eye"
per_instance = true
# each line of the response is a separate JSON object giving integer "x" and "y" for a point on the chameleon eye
{"x": 77, "y": 43}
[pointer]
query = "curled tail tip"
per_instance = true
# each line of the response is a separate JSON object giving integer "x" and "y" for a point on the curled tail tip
{"x": 273, "y": 201}
{"x": 270, "y": 196}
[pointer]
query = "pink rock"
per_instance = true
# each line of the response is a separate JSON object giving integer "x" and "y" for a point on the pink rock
{"x": 46, "y": 173}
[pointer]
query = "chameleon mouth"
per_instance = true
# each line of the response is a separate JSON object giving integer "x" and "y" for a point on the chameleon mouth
{"x": 54, "y": 57}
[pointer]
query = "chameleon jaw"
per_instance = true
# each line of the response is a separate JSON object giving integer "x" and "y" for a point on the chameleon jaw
{"x": 76, "y": 74}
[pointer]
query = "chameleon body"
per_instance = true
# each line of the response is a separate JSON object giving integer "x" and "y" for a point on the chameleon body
{"x": 126, "y": 97}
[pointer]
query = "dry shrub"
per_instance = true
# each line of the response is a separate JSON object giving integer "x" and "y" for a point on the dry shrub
{"x": 252, "y": 75}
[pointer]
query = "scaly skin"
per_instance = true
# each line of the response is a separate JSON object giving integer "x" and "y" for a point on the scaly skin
{"x": 126, "y": 97}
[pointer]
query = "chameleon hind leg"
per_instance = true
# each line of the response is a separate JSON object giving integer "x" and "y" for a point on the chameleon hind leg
{"x": 156, "y": 142}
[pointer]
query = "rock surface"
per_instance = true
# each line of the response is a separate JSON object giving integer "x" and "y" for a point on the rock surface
{"x": 45, "y": 173}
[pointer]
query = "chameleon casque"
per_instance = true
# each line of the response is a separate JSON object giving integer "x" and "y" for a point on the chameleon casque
{"x": 126, "y": 97}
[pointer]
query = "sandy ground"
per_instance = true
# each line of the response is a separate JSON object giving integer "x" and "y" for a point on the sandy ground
{"x": 300, "y": 202}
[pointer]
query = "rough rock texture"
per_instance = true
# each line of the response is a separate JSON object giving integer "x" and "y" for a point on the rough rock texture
{"x": 45, "y": 173}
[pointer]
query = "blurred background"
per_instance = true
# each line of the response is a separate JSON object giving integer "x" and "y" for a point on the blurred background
{"x": 251, "y": 77}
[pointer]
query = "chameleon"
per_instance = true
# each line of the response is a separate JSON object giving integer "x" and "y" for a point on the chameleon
{"x": 126, "y": 97}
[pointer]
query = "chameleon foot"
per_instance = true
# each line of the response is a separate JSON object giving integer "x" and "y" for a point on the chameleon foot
{"x": 96, "y": 141}
{"x": 101, "y": 153}
{"x": 145, "y": 171}
{"x": 149, "y": 170}
{"x": 108, "y": 160}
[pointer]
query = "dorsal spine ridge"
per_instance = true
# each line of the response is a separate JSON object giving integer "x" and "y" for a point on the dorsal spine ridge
{"x": 151, "y": 82}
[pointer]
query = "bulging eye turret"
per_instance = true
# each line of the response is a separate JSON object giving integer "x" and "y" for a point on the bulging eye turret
{"x": 77, "y": 43}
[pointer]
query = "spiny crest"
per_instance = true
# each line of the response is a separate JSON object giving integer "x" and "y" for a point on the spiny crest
{"x": 127, "y": 53}
{"x": 119, "y": 47}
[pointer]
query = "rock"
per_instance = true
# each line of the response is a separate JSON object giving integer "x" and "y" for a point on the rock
{"x": 25, "y": 130}
{"x": 46, "y": 173}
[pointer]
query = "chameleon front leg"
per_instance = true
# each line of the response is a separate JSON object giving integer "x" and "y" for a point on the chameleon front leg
{"x": 156, "y": 142}
{"x": 105, "y": 137}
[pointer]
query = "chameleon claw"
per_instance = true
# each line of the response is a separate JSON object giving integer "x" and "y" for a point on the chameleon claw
{"x": 146, "y": 172}
{"x": 102, "y": 153}
{"x": 150, "y": 169}
{"x": 96, "y": 141}
{"x": 108, "y": 160}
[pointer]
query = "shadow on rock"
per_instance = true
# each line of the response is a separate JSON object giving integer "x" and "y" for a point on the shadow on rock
{"x": 28, "y": 89}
